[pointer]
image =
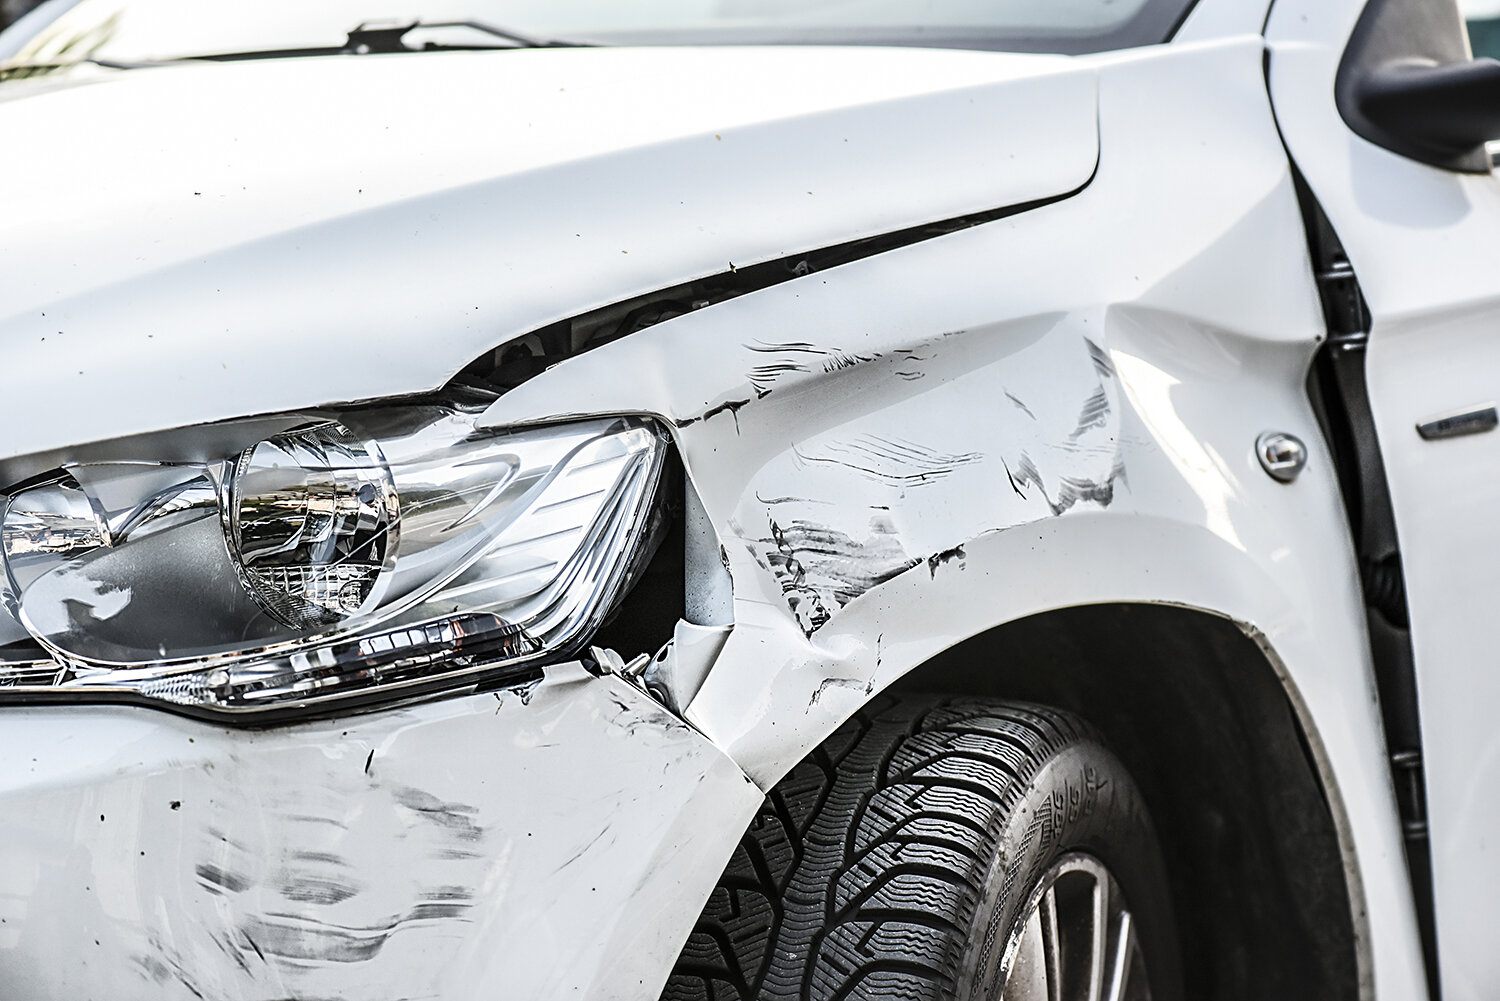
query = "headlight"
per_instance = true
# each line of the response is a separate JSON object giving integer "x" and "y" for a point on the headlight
{"x": 374, "y": 553}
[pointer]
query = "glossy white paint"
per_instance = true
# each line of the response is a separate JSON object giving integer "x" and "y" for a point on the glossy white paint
{"x": 1112, "y": 358}
{"x": 1119, "y": 342}
{"x": 503, "y": 191}
{"x": 420, "y": 852}
{"x": 1423, "y": 243}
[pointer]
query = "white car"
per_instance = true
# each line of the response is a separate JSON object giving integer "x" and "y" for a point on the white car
{"x": 542, "y": 499}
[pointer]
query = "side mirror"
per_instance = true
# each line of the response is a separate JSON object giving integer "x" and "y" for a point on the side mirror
{"x": 1439, "y": 113}
{"x": 1406, "y": 83}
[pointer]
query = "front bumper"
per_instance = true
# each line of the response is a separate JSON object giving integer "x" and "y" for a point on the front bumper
{"x": 550, "y": 843}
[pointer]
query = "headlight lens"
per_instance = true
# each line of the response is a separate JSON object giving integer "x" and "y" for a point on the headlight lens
{"x": 373, "y": 554}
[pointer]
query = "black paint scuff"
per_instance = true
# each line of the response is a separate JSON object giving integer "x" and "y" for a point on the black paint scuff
{"x": 821, "y": 569}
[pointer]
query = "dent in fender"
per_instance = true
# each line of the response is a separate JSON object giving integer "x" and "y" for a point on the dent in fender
{"x": 846, "y": 510}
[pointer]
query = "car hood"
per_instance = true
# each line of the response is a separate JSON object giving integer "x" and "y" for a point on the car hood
{"x": 197, "y": 242}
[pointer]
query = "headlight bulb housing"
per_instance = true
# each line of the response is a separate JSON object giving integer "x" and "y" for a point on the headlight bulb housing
{"x": 312, "y": 520}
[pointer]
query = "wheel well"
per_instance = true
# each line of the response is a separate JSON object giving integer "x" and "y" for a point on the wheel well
{"x": 1197, "y": 714}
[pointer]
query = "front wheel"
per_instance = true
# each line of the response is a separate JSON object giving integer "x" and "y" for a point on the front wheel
{"x": 943, "y": 850}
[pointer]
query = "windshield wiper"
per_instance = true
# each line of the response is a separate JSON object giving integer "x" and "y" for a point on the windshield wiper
{"x": 369, "y": 38}
{"x": 375, "y": 37}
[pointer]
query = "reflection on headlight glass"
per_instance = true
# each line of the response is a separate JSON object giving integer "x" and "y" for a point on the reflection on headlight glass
{"x": 373, "y": 553}
{"x": 312, "y": 516}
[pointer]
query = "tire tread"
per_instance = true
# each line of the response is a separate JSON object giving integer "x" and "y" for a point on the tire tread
{"x": 866, "y": 863}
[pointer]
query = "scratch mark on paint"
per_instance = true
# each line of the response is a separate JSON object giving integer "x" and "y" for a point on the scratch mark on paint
{"x": 315, "y": 883}
{"x": 1095, "y": 414}
{"x": 231, "y": 950}
{"x": 890, "y": 461}
{"x": 224, "y": 838}
{"x": 1028, "y": 475}
{"x": 307, "y": 818}
{"x": 1102, "y": 363}
{"x": 910, "y": 374}
{"x": 301, "y": 938}
{"x": 1012, "y": 477}
{"x": 821, "y": 569}
{"x": 455, "y": 854}
{"x": 322, "y": 892}
{"x": 772, "y": 501}
{"x": 946, "y": 556}
{"x": 443, "y": 902}
{"x": 454, "y": 817}
{"x": 838, "y": 360}
{"x": 799, "y": 357}
{"x": 765, "y": 375}
{"x": 580, "y": 852}
{"x": 1019, "y": 405}
{"x": 162, "y": 964}
{"x": 290, "y": 937}
{"x": 635, "y": 719}
{"x": 218, "y": 879}
{"x": 731, "y": 407}
{"x": 1070, "y": 489}
{"x": 851, "y": 683}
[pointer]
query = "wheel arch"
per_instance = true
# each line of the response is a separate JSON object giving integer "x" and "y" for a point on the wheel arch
{"x": 1196, "y": 707}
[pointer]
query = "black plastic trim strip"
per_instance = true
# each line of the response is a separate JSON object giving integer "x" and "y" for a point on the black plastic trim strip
{"x": 376, "y": 700}
{"x": 494, "y": 371}
{"x": 1339, "y": 394}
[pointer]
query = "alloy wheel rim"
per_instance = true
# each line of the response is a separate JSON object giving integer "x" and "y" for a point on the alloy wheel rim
{"x": 1074, "y": 941}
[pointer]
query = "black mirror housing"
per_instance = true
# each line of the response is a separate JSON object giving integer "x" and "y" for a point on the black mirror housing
{"x": 1407, "y": 84}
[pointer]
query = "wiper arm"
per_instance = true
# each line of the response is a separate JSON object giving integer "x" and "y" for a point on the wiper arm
{"x": 389, "y": 37}
{"x": 376, "y": 36}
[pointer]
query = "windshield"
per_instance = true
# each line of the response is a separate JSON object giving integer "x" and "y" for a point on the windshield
{"x": 134, "y": 31}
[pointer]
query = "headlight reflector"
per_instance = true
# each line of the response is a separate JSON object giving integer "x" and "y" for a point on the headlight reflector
{"x": 311, "y": 517}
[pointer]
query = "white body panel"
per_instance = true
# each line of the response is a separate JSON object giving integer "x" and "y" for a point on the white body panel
{"x": 420, "y": 852}
{"x": 1146, "y": 267}
{"x": 1054, "y": 409}
{"x": 1423, "y": 243}
{"x": 595, "y": 177}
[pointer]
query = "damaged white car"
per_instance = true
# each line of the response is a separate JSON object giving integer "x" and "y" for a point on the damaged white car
{"x": 748, "y": 499}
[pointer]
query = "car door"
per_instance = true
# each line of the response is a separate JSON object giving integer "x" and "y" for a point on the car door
{"x": 1423, "y": 239}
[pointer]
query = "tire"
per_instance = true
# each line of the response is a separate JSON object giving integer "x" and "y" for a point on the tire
{"x": 907, "y": 856}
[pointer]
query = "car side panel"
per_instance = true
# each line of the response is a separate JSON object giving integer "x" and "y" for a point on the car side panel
{"x": 1054, "y": 409}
